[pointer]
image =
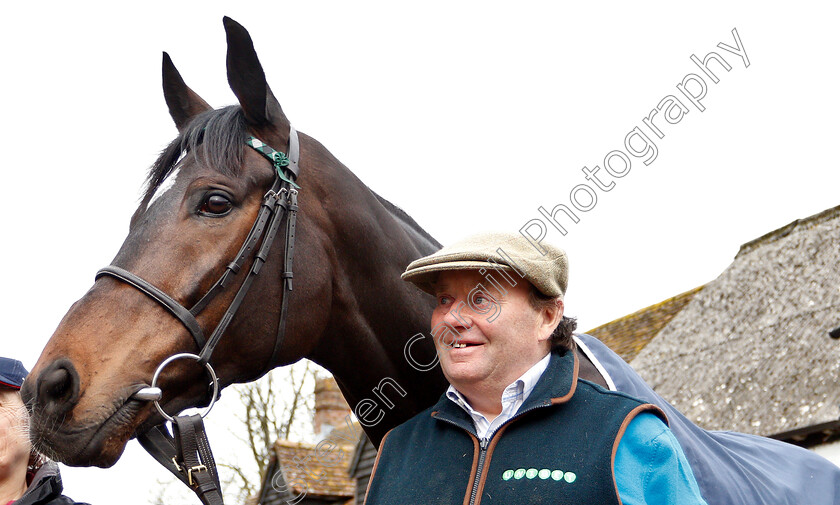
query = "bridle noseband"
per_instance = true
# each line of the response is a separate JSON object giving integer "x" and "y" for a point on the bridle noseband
{"x": 188, "y": 455}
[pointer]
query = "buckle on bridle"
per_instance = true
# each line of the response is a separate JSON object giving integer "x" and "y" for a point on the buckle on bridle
{"x": 272, "y": 197}
{"x": 197, "y": 468}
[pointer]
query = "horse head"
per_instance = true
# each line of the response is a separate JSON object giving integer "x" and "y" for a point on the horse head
{"x": 204, "y": 195}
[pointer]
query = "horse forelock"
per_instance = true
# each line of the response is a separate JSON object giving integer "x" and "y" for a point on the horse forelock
{"x": 216, "y": 137}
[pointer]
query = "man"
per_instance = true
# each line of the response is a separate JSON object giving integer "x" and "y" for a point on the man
{"x": 518, "y": 425}
{"x": 26, "y": 478}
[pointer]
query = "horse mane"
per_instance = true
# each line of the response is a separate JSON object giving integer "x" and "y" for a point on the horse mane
{"x": 406, "y": 219}
{"x": 217, "y": 137}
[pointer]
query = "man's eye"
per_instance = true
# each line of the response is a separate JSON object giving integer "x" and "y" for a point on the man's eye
{"x": 444, "y": 300}
{"x": 480, "y": 299}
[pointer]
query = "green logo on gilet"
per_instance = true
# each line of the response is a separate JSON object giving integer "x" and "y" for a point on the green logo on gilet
{"x": 544, "y": 474}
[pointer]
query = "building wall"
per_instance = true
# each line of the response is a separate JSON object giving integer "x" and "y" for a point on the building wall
{"x": 363, "y": 470}
{"x": 830, "y": 451}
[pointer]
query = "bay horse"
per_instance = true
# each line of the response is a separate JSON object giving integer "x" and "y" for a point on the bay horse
{"x": 348, "y": 310}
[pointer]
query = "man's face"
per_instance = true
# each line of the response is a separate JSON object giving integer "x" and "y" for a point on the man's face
{"x": 14, "y": 438}
{"x": 484, "y": 336}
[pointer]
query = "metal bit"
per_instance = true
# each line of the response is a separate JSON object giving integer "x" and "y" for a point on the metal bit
{"x": 148, "y": 394}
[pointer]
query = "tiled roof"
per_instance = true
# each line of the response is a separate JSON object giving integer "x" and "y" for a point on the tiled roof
{"x": 316, "y": 473}
{"x": 629, "y": 334}
{"x": 323, "y": 469}
{"x": 348, "y": 434}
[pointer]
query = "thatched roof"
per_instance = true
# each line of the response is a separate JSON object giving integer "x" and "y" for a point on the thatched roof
{"x": 629, "y": 334}
{"x": 751, "y": 352}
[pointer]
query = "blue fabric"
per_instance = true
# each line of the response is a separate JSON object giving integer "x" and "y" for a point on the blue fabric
{"x": 651, "y": 468}
{"x": 734, "y": 468}
{"x": 12, "y": 373}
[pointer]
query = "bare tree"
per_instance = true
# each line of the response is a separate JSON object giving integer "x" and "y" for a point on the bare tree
{"x": 278, "y": 406}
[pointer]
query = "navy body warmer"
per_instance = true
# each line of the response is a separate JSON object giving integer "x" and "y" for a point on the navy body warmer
{"x": 558, "y": 449}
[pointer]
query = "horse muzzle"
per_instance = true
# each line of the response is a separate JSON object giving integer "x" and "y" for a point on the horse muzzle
{"x": 56, "y": 430}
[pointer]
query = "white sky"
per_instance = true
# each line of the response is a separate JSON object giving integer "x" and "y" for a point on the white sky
{"x": 469, "y": 115}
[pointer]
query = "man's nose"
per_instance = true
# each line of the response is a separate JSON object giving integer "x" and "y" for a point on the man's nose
{"x": 459, "y": 316}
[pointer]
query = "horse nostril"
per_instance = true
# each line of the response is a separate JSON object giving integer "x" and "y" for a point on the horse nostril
{"x": 57, "y": 383}
{"x": 58, "y": 387}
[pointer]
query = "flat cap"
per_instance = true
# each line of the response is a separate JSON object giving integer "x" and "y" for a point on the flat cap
{"x": 12, "y": 373}
{"x": 548, "y": 271}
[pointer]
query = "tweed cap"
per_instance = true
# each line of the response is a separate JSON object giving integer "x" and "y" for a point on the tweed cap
{"x": 12, "y": 373}
{"x": 511, "y": 252}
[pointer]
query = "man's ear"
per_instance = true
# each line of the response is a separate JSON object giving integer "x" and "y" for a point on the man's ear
{"x": 551, "y": 317}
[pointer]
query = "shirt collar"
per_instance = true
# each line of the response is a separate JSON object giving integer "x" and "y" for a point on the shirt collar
{"x": 516, "y": 391}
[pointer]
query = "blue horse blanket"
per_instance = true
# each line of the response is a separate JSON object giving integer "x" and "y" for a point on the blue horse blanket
{"x": 730, "y": 468}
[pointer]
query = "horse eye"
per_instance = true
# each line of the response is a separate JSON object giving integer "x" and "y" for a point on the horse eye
{"x": 216, "y": 205}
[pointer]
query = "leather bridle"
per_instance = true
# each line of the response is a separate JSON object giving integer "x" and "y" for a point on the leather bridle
{"x": 187, "y": 455}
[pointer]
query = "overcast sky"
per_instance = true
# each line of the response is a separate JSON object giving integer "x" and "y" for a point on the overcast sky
{"x": 470, "y": 116}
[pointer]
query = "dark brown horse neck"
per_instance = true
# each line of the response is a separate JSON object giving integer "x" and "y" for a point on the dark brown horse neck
{"x": 373, "y": 313}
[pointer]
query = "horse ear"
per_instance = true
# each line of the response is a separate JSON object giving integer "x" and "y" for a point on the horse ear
{"x": 184, "y": 104}
{"x": 247, "y": 79}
